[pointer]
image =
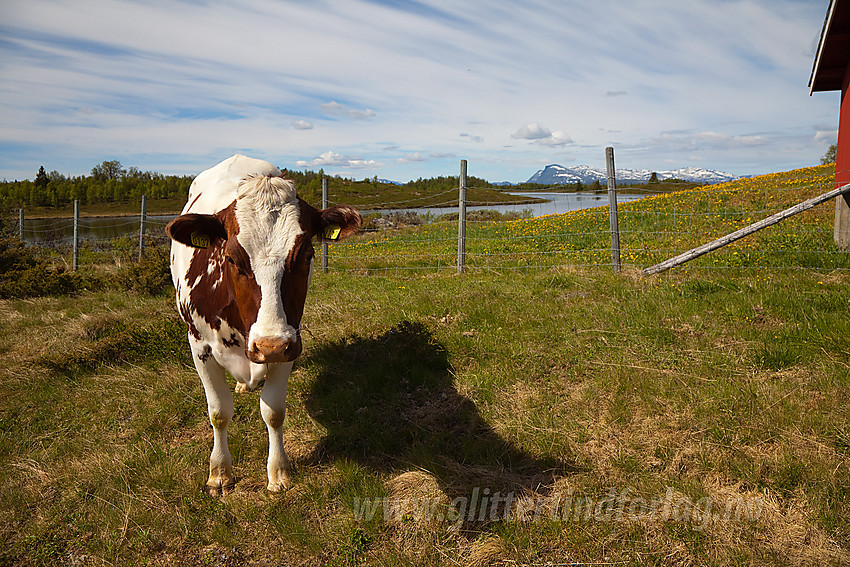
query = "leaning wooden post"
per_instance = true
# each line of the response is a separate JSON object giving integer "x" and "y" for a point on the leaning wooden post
{"x": 612, "y": 209}
{"x": 75, "y": 263}
{"x": 747, "y": 230}
{"x": 21, "y": 224}
{"x": 142, "y": 220}
{"x": 324, "y": 242}
{"x": 461, "y": 219}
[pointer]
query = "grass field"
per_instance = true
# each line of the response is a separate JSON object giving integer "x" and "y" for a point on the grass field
{"x": 555, "y": 415}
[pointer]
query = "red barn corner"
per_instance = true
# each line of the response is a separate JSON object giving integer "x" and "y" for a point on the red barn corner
{"x": 831, "y": 72}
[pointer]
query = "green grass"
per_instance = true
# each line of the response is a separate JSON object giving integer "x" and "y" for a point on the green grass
{"x": 561, "y": 381}
{"x": 595, "y": 399}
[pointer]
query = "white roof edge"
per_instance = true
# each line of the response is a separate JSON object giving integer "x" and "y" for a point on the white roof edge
{"x": 827, "y": 23}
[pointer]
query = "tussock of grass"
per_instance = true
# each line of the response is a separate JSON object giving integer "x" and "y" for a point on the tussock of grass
{"x": 108, "y": 340}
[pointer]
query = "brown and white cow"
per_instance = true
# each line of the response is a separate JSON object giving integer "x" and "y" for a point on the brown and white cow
{"x": 241, "y": 261}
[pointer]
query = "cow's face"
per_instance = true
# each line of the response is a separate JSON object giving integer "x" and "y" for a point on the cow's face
{"x": 257, "y": 255}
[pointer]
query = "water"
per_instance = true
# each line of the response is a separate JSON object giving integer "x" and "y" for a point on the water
{"x": 555, "y": 204}
{"x": 61, "y": 231}
{"x": 107, "y": 228}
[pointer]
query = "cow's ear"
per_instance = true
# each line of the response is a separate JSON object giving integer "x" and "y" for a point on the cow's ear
{"x": 340, "y": 221}
{"x": 198, "y": 231}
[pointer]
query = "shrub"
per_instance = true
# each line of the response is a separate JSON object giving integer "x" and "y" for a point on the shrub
{"x": 24, "y": 274}
{"x": 151, "y": 276}
{"x": 395, "y": 219}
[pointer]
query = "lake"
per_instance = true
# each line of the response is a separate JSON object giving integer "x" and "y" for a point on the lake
{"x": 555, "y": 204}
{"x": 107, "y": 228}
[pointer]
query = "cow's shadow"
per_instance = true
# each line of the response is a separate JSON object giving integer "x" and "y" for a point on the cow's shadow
{"x": 389, "y": 403}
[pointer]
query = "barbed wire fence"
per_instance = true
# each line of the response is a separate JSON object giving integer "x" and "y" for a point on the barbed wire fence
{"x": 404, "y": 238}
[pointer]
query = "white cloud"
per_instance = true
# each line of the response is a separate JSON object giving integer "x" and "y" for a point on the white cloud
{"x": 541, "y": 135}
{"x": 302, "y": 125}
{"x": 338, "y": 109}
{"x": 693, "y": 141}
{"x": 412, "y": 158}
{"x": 333, "y": 159}
{"x": 557, "y": 138}
{"x": 532, "y": 131}
{"x": 828, "y": 136}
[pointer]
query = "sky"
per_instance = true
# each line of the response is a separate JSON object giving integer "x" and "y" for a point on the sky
{"x": 400, "y": 89}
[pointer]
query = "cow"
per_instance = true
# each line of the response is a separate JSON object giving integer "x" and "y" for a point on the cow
{"x": 241, "y": 260}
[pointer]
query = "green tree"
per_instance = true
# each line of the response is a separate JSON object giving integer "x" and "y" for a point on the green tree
{"x": 830, "y": 156}
{"x": 108, "y": 170}
{"x": 41, "y": 178}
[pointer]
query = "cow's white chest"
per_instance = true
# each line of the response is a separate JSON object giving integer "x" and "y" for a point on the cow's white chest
{"x": 226, "y": 347}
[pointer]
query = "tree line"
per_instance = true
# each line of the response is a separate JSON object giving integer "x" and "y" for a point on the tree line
{"x": 109, "y": 182}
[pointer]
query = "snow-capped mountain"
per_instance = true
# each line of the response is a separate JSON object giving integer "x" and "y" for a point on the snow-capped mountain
{"x": 558, "y": 174}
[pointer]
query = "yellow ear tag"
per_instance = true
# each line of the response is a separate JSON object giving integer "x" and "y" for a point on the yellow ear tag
{"x": 332, "y": 231}
{"x": 200, "y": 240}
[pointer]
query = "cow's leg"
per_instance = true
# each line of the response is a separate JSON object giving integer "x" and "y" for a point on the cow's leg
{"x": 220, "y": 408}
{"x": 273, "y": 408}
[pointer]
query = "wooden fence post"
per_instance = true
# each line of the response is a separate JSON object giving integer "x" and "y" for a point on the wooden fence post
{"x": 324, "y": 242}
{"x": 75, "y": 263}
{"x": 461, "y": 219}
{"x": 142, "y": 220}
{"x": 21, "y": 224}
{"x": 841, "y": 232}
{"x": 612, "y": 209}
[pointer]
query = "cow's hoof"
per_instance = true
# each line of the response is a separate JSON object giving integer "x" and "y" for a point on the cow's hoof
{"x": 219, "y": 486}
{"x": 280, "y": 485}
{"x": 241, "y": 387}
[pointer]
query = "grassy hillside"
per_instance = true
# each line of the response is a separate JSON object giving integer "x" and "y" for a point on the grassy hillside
{"x": 651, "y": 230}
{"x": 697, "y": 417}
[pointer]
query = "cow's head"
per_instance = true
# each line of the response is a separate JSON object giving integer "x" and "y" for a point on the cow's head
{"x": 256, "y": 256}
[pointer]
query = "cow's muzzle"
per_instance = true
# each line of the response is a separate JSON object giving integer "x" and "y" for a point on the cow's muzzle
{"x": 267, "y": 350}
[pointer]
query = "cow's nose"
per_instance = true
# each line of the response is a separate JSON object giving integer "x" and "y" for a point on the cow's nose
{"x": 265, "y": 350}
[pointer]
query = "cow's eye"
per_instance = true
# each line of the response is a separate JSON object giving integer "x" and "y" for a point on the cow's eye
{"x": 229, "y": 259}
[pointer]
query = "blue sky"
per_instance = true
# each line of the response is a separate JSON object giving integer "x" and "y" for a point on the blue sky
{"x": 405, "y": 89}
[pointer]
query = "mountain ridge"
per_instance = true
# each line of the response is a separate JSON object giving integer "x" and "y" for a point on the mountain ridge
{"x": 559, "y": 174}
